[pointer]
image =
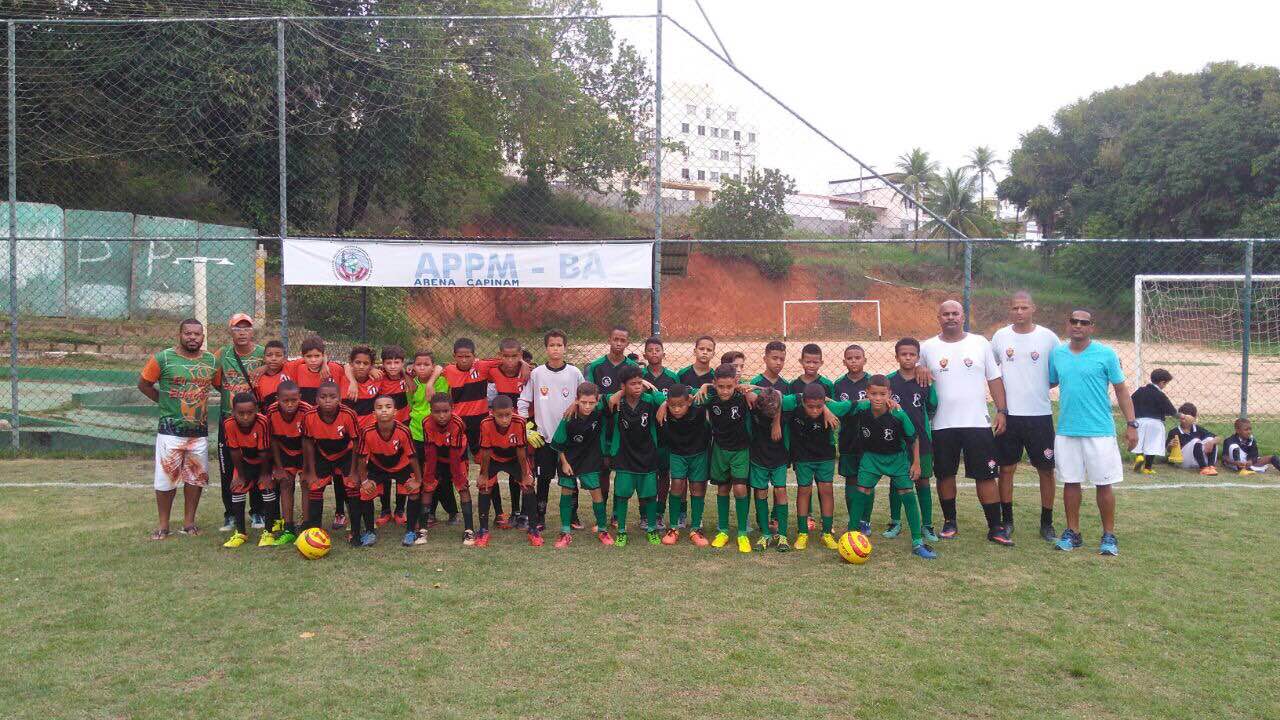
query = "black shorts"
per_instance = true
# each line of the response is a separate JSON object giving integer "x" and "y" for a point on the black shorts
{"x": 382, "y": 477}
{"x": 1034, "y": 433}
{"x": 326, "y": 468}
{"x": 977, "y": 445}
{"x": 472, "y": 424}
{"x": 510, "y": 467}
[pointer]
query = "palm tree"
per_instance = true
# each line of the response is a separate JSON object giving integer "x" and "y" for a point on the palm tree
{"x": 983, "y": 161}
{"x": 952, "y": 200}
{"x": 919, "y": 175}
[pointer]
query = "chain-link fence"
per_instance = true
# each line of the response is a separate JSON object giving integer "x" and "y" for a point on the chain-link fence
{"x": 154, "y": 168}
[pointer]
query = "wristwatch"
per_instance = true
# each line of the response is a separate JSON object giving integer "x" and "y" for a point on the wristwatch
{"x": 1002, "y": 411}
{"x": 1133, "y": 424}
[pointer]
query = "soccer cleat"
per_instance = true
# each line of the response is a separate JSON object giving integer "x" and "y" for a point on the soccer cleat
{"x": 924, "y": 551}
{"x": 893, "y": 531}
{"x": 621, "y": 540}
{"x": 563, "y": 541}
{"x": 929, "y": 534}
{"x": 401, "y": 518}
{"x": 277, "y": 527}
{"x": 1000, "y": 536}
{"x": 1208, "y": 470}
{"x": 802, "y": 541}
{"x": 653, "y": 537}
{"x": 257, "y": 522}
{"x": 422, "y": 538}
{"x": 383, "y": 519}
{"x": 864, "y": 527}
{"x": 482, "y": 539}
{"x": 503, "y": 522}
{"x": 671, "y": 537}
{"x": 1148, "y": 471}
{"x": 1138, "y": 463}
{"x": 605, "y": 538}
{"x": 763, "y": 542}
{"x": 267, "y": 539}
{"x": 237, "y": 539}
{"x": 744, "y": 544}
{"x": 228, "y": 525}
{"x": 782, "y": 545}
{"x": 698, "y": 538}
{"x": 720, "y": 540}
{"x": 830, "y": 541}
{"x": 1048, "y": 534}
{"x": 1246, "y": 471}
{"x": 368, "y": 539}
{"x": 949, "y": 530}
{"x": 535, "y": 538}
{"x": 288, "y": 537}
{"x": 468, "y": 538}
{"x": 410, "y": 538}
{"x": 339, "y": 521}
{"x": 1109, "y": 546}
{"x": 812, "y": 525}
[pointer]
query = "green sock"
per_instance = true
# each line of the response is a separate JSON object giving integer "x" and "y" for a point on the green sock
{"x": 850, "y": 490}
{"x": 620, "y": 505}
{"x": 650, "y": 513}
{"x": 674, "y": 506}
{"x": 895, "y": 507}
{"x": 827, "y": 522}
{"x": 780, "y": 514}
{"x": 762, "y": 515}
{"x": 722, "y": 513}
{"x": 602, "y": 522}
{"x": 742, "y": 505}
{"x": 866, "y": 511}
{"x": 926, "y": 502}
{"x": 913, "y": 516}
{"x": 566, "y": 512}
{"x": 696, "y": 505}
{"x": 860, "y": 500}
{"x": 802, "y": 522}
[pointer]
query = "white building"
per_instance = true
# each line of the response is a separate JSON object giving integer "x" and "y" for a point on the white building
{"x": 894, "y": 214}
{"x": 719, "y": 142}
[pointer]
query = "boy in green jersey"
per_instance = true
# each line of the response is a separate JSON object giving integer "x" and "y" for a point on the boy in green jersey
{"x": 729, "y": 408}
{"x": 919, "y": 403}
{"x": 579, "y": 440}
{"x": 633, "y": 450}
{"x": 768, "y": 465}
{"x": 684, "y": 433}
{"x": 889, "y": 448}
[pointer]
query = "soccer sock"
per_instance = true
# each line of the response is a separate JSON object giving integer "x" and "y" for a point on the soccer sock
{"x": 1147, "y": 460}
{"x": 866, "y": 511}
{"x": 386, "y": 499}
{"x": 762, "y": 514}
{"x": 339, "y": 496}
{"x": 992, "y": 511}
{"x": 355, "y": 518}
{"x": 368, "y": 514}
{"x": 517, "y": 496}
{"x": 482, "y": 513}
{"x": 602, "y": 521}
{"x": 912, "y": 507}
{"x": 620, "y": 505}
{"x": 528, "y": 502}
{"x": 574, "y": 494}
{"x": 850, "y": 492}
{"x": 1197, "y": 451}
{"x": 895, "y": 507}
{"x": 650, "y": 513}
{"x": 829, "y": 520}
{"x": 467, "y": 522}
{"x": 1006, "y": 513}
{"x": 270, "y": 508}
{"x": 1046, "y": 516}
{"x": 315, "y": 511}
{"x": 925, "y": 498}
{"x": 566, "y": 512}
{"x": 858, "y": 501}
{"x": 674, "y": 503}
{"x": 802, "y": 520}
{"x": 742, "y": 506}
{"x": 237, "y": 510}
{"x": 722, "y": 513}
{"x": 495, "y": 498}
{"x": 780, "y": 513}
{"x": 948, "y": 509}
{"x": 401, "y": 503}
{"x": 413, "y": 512}
{"x": 697, "y": 504}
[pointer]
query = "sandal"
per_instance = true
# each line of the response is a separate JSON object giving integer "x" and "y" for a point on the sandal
{"x": 190, "y": 530}
{"x": 159, "y": 534}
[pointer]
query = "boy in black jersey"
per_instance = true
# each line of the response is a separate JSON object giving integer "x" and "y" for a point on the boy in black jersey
{"x": 768, "y": 464}
{"x": 729, "y": 412}
{"x": 580, "y": 442}
{"x": 920, "y": 404}
{"x": 700, "y": 373}
{"x": 687, "y": 438}
{"x": 811, "y": 419}
{"x": 633, "y": 449}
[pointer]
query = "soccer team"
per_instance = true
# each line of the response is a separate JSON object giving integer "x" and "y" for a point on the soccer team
{"x": 372, "y": 429}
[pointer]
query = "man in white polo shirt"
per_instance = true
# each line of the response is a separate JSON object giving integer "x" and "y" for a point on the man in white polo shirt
{"x": 1085, "y": 446}
{"x": 1023, "y": 350}
{"x": 963, "y": 368}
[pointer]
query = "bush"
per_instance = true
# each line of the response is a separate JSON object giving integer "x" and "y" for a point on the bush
{"x": 334, "y": 314}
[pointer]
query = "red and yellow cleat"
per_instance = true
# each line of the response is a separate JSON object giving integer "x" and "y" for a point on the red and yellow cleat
{"x": 605, "y": 538}
{"x": 563, "y": 542}
{"x": 698, "y": 538}
{"x": 671, "y": 537}
{"x": 482, "y": 540}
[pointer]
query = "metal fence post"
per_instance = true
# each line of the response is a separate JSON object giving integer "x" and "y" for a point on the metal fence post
{"x": 364, "y": 315}
{"x": 655, "y": 292}
{"x": 1246, "y": 334}
{"x": 283, "y": 180}
{"x": 13, "y": 236}
{"x": 968, "y": 281}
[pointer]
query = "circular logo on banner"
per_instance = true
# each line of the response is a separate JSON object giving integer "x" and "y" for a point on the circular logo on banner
{"x": 352, "y": 264}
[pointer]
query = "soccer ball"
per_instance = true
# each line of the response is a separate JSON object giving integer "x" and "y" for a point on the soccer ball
{"x": 854, "y": 547}
{"x": 313, "y": 543}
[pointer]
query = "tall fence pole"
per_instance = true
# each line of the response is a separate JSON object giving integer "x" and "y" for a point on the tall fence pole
{"x": 655, "y": 293}
{"x": 968, "y": 281}
{"x": 13, "y": 236}
{"x": 283, "y": 180}
{"x": 364, "y": 314}
{"x": 1246, "y": 334}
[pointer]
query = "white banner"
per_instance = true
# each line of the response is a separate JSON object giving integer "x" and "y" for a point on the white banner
{"x": 491, "y": 264}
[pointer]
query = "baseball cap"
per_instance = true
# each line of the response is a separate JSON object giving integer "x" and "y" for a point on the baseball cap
{"x": 239, "y": 318}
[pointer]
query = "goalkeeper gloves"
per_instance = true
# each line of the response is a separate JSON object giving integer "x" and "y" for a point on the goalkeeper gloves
{"x": 535, "y": 438}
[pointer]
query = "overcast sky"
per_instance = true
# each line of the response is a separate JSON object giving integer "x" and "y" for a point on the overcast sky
{"x": 882, "y": 77}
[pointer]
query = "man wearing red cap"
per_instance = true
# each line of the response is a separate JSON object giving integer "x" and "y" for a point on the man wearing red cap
{"x": 235, "y": 363}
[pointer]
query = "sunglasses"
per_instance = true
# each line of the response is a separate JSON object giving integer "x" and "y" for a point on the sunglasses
{"x": 1078, "y": 321}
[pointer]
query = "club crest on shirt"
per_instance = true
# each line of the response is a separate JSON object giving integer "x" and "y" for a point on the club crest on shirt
{"x": 888, "y": 433}
{"x": 577, "y": 438}
{"x": 1008, "y": 352}
{"x": 844, "y": 396}
{"x": 991, "y": 464}
{"x": 544, "y": 391}
{"x": 968, "y": 362}
{"x": 715, "y": 409}
{"x": 606, "y": 381}
{"x": 1035, "y": 355}
{"x": 942, "y": 362}
{"x": 564, "y": 392}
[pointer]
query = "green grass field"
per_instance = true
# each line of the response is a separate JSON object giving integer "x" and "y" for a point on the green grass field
{"x": 102, "y": 623}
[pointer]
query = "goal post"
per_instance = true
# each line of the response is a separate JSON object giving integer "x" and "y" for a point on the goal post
{"x": 1201, "y": 310}
{"x": 873, "y": 303}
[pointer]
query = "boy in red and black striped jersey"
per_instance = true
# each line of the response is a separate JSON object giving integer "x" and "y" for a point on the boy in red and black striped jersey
{"x": 396, "y": 384}
{"x": 385, "y": 455}
{"x": 248, "y": 440}
{"x": 309, "y": 371}
{"x": 267, "y": 383}
{"x": 444, "y": 457}
{"x": 359, "y": 388}
{"x": 504, "y": 448}
{"x": 507, "y": 380}
{"x": 329, "y": 433}
{"x": 284, "y": 421}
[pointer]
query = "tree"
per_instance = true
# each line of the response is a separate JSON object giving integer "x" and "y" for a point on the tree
{"x": 919, "y": 174}
{"x": 983, "y": 162}
{"x": 862, "y": 221}
{"x": 753, "y": 208}
{"x": 951, "y": 199}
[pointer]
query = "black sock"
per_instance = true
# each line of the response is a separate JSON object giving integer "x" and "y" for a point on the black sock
{"x": 542, "y": 513}
{"x": 1147, "y": 460}
{"x": 992, "y": 511}
{"x": 386, "y": 499}
{"x": 575, "y": 504}
{"x": 355, "y": 518}
{"x": 401, "y": 502}
{"x": 1197, "y": 452}
{"x": 486, "y": 499}
{"x": 270, "y": 509}
{"x": 413, "y": 512}
{"x": 1006, "y": 512}
{"x": 237, "y": 511}
{"x": 1275, "y": 461}
{"x": 315, "y": 512}
{"x": 517, "y": 499}
{"x": 369, "y": 522}
{"x": 339, "y": 495}
{"x": 1046, "y": 516}
{"x": 529, "y": 501}
{"x": 467, "y": 523}
{"x": 948, "y": 509}
{"x": 495, "y": 498}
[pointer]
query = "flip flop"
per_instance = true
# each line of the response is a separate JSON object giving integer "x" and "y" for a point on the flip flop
{"x": 159, "y": 534}
{"x": 190, "y": 530}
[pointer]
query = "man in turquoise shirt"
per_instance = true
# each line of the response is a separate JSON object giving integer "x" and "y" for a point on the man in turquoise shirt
{"x": 1085, "y": 445}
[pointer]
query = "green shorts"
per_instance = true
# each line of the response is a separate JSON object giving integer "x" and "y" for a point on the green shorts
{"x": 926, "y": 466}
{"x": 728, "y": 465}
{"x": 849, "y": 465}
{"x": 869, "y": 479}
{"x": 627, "y": 483}
{"x": 809, "y": 472}
{"x": 762, "y": 478}
{"x": 587, "y": 481}
{"x": 689, "y": 467}
{"x": 876, "y": 465}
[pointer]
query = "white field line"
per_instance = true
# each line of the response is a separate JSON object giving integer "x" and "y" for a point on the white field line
{"x": 1120, "y": 486}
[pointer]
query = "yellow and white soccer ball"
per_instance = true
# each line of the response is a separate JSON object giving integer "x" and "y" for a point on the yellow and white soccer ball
{"x": 854, "y": 547}
{"x": 313, "y": 543}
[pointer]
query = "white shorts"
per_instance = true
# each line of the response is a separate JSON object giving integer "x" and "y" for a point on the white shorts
{"x": 1237, "y": 455}
{"x": 181, "y": 461}
{"x": 1087, "y": 459}
{"x": 1151, "y": 437}
{"x": 1189, "y": 455}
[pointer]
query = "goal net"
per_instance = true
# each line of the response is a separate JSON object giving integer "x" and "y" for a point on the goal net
{"x": 1204, "y": 314}
{"x": 801, "y": 316}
